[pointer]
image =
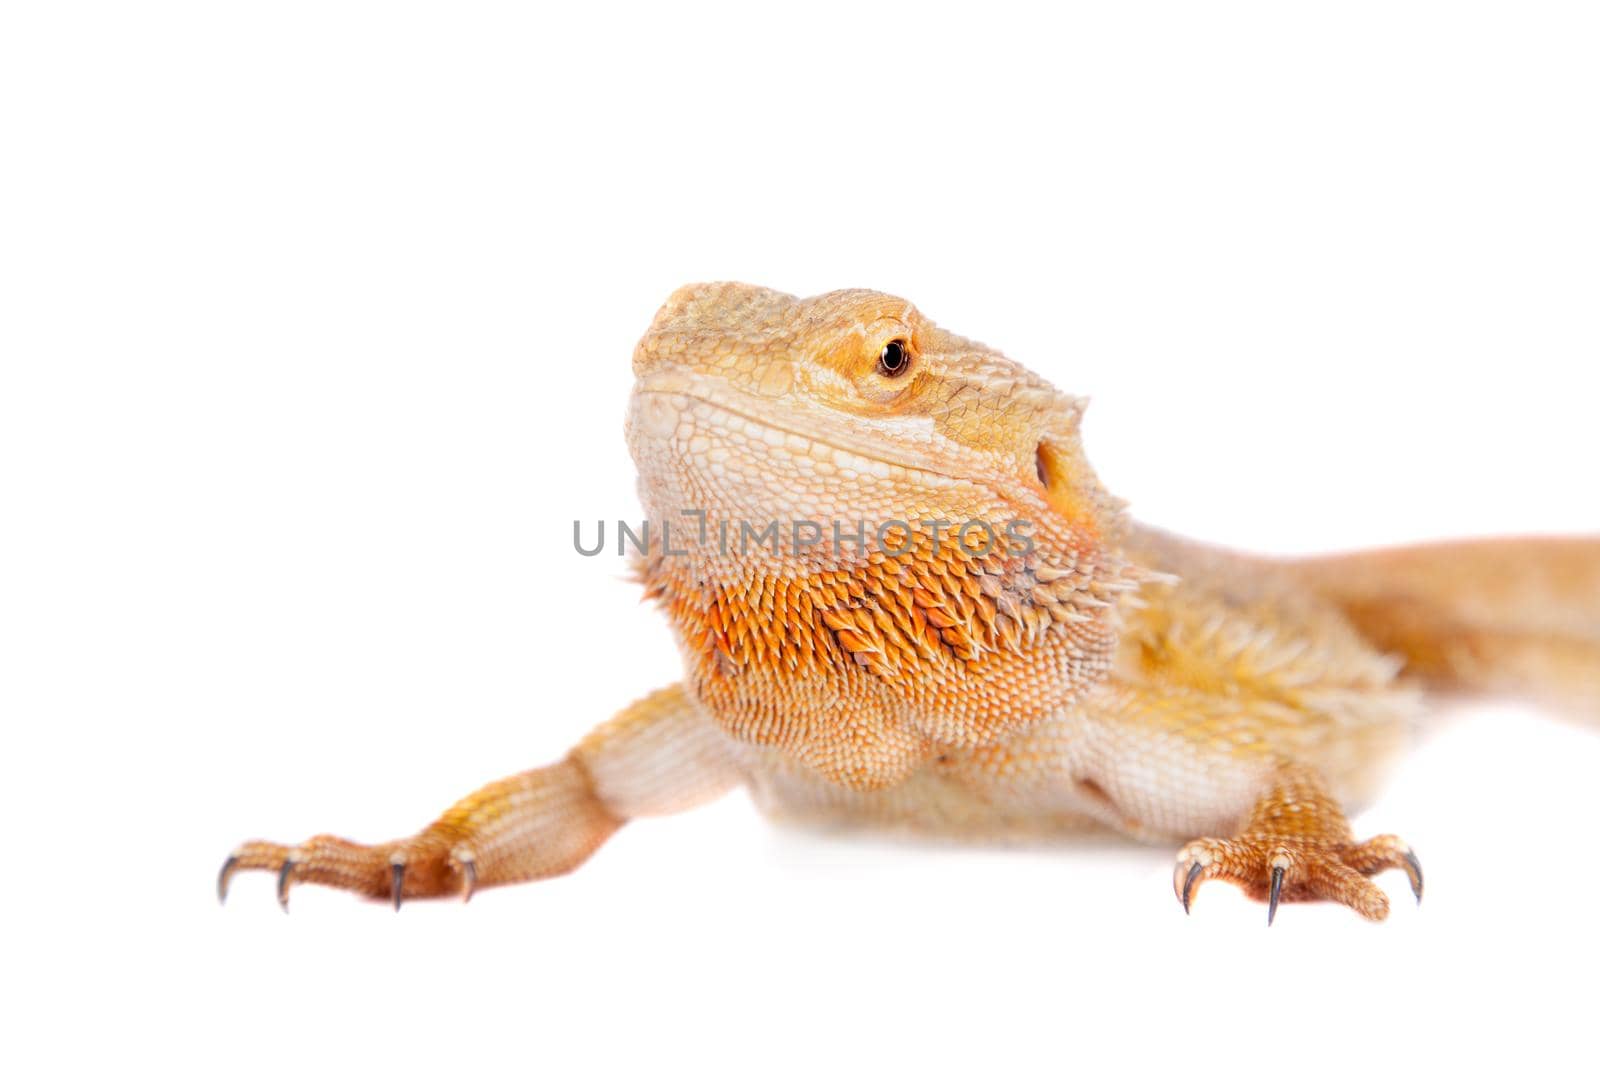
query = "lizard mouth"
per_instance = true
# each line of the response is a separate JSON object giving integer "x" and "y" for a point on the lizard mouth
{"x": 663, "y": 399}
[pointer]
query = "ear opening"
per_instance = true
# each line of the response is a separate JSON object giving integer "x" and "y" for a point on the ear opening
{"x": 1044, "y": 462}
{"x": 1068, "y": 483}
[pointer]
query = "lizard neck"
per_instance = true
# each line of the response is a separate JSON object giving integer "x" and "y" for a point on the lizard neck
{"x": 865, "y": 656}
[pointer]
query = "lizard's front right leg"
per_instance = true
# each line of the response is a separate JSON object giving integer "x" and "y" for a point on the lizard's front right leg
{"x": 660, "y": 755}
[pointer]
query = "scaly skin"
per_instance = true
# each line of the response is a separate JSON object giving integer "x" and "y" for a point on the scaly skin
{"x": 1083, "y": 671}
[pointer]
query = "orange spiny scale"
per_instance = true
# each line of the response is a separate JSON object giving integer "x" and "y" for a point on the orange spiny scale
{"x": 877, "y": 665}
{"x": 1028, "y": 615}
{"x": 719, "y": 643}
{"x": 797, "y": 613}
{"x": 895, "y": 610}
{"x": 1043, "y": 621}
{"x": 853, "y": 642}
{"x": 903, "y": 661}
{"x": 760, "y": 653}
{"x": 985, "y": 609}
{"x": 837, "y": 620}
{"x": 956, "y": 635}
{"x": 918, "y": 627}
{"x": 864, "y": 624}
{"x": 921, "y": 578}
{"x": 798, "y": 630}
{"x": 927, "y": 651}
{"x": 819, "y": 646}
{"x": 1065, "y": 589}
{"x": 1063, "y": 614}
{"x": 810, "y": 651}
{"x": 889, "y": 640}
{"x": 1010, "y": 636}
{"x": 902, "y": 648}
{"x": 748, "y": 630}
{"x": 881, "y": 618}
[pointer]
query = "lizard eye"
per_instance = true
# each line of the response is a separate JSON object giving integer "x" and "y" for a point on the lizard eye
{"x": 894, "y": 359}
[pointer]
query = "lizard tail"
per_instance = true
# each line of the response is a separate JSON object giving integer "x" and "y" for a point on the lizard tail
{"x": 1512, "y": 617}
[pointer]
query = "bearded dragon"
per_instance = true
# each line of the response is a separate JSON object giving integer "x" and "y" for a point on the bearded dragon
{"x": 959, "y": 632}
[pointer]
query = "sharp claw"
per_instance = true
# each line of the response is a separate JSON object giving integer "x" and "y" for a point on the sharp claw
{"x": 1414, "y": 872}
{"x": 397, "y": 881}
{"x": 283, "y": 884}
{"x": 469, "y": 879}
{"x": 225, "y": 876}
{"x": 1272, "y": 899}
{"x": 1188, "y": 885}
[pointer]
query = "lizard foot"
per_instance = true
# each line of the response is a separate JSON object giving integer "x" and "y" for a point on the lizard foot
{"x": 1296, "y": 845}
{"x": 428, "y": 865}
{"x": 1274, "y": 867}
{"x": 532, "y": 825}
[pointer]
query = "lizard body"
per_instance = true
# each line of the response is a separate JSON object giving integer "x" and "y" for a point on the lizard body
{"x": 985, "y": 644}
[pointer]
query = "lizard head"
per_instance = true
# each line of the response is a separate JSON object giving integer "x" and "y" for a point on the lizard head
{"x": 862, "y": 372}
{"x": 883, "y": 538}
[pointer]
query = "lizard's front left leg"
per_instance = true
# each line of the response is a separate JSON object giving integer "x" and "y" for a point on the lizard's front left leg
{"x": 1296, "y": 845}
{"x": 660, "y": 755}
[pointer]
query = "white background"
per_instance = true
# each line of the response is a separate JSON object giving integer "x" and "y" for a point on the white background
{"x": 316, "y": 326}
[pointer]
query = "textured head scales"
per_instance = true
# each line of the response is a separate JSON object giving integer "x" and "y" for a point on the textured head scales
{"x": 983, "y": 594}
